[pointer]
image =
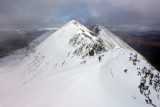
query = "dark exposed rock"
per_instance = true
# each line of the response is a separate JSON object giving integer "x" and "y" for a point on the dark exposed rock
{"x": 154, "y": 81}
{"x": 91, "y": 53}
{"x": 94, "y": 28}
{"x": 125, "y": 70}
{"x": 85, "y": 48}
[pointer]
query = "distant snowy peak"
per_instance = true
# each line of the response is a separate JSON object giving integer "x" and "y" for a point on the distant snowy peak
{"x": 108, "y": 37}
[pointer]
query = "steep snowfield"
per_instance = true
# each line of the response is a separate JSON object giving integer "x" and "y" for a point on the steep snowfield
{"x": 61, "y": 69}
{"x": 38, "y": 40}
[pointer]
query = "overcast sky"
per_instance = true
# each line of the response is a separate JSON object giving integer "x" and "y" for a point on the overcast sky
{"x": 126, "y": 15}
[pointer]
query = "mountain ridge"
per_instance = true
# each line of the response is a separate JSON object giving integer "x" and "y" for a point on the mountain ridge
{"x": 65, "y": 64}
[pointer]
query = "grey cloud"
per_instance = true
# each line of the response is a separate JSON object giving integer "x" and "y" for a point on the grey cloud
{"x": 36, "y": 14}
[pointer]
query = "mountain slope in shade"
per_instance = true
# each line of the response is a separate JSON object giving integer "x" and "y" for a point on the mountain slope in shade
{"x": 63, "y": 71}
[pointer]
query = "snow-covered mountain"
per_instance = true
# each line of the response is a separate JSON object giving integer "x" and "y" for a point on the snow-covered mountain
{"x": 61, "y": 69}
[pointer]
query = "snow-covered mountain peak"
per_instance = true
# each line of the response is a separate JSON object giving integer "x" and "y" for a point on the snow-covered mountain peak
{"x": 77, "y": 38}
{"x": 74, "y": 22}
{"x": 71, "y": 45}
{"x": 63, "y": 68}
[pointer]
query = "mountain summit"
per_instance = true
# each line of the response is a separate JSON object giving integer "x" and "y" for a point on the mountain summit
{"x": 62, "y": 69}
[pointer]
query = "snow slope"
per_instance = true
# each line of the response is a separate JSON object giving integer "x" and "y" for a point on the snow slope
{"x": 61, "y": 69}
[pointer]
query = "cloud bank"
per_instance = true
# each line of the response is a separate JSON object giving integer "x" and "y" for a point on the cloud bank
{"x": 126, "y": 15}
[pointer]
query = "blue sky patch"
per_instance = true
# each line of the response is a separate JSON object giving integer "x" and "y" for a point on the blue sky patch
{"x": 73, "y": 10}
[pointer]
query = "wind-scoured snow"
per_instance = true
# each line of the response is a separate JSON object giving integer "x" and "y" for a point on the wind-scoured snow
{"x": 61, "y": 69}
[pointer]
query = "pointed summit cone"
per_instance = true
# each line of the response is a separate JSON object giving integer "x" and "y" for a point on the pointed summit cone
{"x": 71, "y": 45}
{"x": 62, "y": 69}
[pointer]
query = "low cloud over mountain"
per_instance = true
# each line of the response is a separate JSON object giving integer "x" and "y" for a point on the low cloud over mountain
{"x": 126, "y": 15}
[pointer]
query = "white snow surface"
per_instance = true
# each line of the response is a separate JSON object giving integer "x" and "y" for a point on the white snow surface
{"x": 58, "y": 71}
